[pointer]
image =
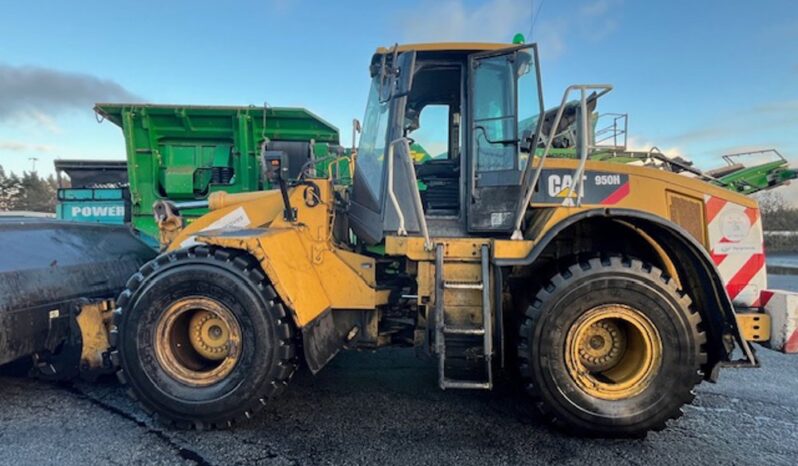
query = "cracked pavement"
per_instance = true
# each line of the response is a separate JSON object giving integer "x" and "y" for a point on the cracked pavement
{"x": 386, "y": 408}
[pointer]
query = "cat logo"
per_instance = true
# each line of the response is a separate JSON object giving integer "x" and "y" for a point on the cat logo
{"x": 596, "y": 187}
{"x": 561, "y": 186}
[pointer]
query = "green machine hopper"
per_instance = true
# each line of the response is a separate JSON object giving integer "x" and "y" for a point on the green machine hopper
{"x": 184, "y": 153}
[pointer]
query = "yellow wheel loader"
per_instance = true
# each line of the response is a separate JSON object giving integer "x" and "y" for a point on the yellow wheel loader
{"x": 600, "y": 287}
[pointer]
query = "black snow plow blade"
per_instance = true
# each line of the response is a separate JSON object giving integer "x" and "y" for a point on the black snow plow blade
{"x": 46, "y": 266}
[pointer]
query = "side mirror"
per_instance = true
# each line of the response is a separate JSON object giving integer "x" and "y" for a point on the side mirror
{"x": 527, "y": 143}
{"x": 396, "y": 75}
{"x": 356, "y": 129}
{"x": 387, "y": 77}
{"x": 406, "y": 66}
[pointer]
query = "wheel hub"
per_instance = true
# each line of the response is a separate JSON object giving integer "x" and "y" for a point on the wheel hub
{"x": 210, "y": 336}
{"x": 602, "y": 345}
{"x": 613, "y": 352}
{"x": 197, "y": 341}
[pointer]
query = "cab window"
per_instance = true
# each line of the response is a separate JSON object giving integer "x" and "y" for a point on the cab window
{"x": 371, "y": 150}
{"x": 430, "y": 134}
{"x": 494, "y": 114}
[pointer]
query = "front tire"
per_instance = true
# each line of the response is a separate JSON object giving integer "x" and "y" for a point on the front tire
{"x": 202, "y": 338}
{"x": 611, "y": 348}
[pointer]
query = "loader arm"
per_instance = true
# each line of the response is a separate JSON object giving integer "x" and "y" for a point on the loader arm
{"x": 299, "y": 257}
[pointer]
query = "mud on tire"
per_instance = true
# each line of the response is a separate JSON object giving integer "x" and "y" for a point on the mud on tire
{"x": 266, "y": 358}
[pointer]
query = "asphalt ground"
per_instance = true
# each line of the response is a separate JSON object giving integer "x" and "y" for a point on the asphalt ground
{"x": 385, "y": 407}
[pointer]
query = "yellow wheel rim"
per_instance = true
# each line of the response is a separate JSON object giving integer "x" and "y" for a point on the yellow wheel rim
{"x": 613, "y": 352}
{"x": 197, "y": 341}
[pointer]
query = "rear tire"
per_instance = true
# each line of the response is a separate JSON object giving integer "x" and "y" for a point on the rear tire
{"x": 611, "y": 348}
{"x": 198, "y": 382}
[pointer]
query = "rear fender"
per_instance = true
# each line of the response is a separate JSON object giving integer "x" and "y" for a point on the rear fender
{"x": 696, "y": 270}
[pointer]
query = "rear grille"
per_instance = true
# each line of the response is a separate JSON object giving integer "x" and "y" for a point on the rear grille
{"x": 688, "y": 212}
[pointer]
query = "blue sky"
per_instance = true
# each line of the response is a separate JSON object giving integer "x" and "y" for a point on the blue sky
{"x": 699, "y": 78}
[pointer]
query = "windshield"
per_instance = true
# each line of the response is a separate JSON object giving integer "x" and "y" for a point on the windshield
{"x": 371, "y": 150}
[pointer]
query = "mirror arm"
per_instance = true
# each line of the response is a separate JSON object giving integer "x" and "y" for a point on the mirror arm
{"x": 289, "y": 213}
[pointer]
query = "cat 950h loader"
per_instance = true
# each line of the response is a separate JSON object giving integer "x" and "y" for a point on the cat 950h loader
{"x": 608, "y": 290}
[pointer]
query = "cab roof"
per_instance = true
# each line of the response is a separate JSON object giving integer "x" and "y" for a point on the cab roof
{"x": 446, "y": 47}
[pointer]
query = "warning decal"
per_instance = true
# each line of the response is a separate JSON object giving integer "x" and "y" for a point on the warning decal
{"x": 235, "y": 220}
{"x": 603, "y": 188}
{"x": 735, "y": 240}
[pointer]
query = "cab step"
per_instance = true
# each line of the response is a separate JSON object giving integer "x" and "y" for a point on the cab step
{"x": 463, "y": 331}
{"x": 463, "y": 285}
{"x": 442, "y": 330}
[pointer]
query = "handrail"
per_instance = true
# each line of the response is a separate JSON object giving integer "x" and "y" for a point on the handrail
{"x": 401, "y": 231}
{"x": 334, "y": 161}
{"x": 529, "y": 188}
{"x": 422, "y": 220}
{"x": 728, "y": 157}
{"x": 614, "y": 131}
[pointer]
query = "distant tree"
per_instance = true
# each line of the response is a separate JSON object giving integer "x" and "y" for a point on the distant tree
{"x": 771, "y": 202}
{"x": 10, "y": 189}
{"x": 37, "y": 194}
{"x": 28, "y": 192}
{"x": 777, "y": 214}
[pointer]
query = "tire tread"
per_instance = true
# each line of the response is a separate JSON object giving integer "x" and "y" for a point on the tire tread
{"x": 535, "y": 311}
{"x": 282, "y": 371}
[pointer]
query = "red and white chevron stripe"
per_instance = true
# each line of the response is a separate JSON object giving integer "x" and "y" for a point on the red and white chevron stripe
{"x": 736, "y": 246}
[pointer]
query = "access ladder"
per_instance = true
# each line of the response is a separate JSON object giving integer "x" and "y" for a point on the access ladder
{"x": 442, "y": 330}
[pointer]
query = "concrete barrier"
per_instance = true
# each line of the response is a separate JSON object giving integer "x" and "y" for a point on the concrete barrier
{"x": 782, "y": 307}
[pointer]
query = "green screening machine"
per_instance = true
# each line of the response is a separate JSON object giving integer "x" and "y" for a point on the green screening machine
{"x": 185, "y": 153}
{"x": 55, "y": 271}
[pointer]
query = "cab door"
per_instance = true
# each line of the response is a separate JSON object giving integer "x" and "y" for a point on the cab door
{"x": 504, "y": 102}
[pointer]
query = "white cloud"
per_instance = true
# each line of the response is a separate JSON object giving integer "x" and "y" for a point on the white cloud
{"x": 32, "y": 117}
{"x": 638, "y": 144}
{"x": 18, "y": 146}
{"x": 596, "y": 8}
{"x": 452, "y": 20}
{"x": 46, "y": 121}
{"x": 593, "y": 22}
{"x": 550, "y": 36}
{"x": 600, "y": 29}
{"x": 777, "y": 107}
{"x": 499, "y": 20}
{"x": 769, "y": 115}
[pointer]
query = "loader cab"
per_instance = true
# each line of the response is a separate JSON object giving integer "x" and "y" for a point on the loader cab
{"x": 445, "y": 138}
